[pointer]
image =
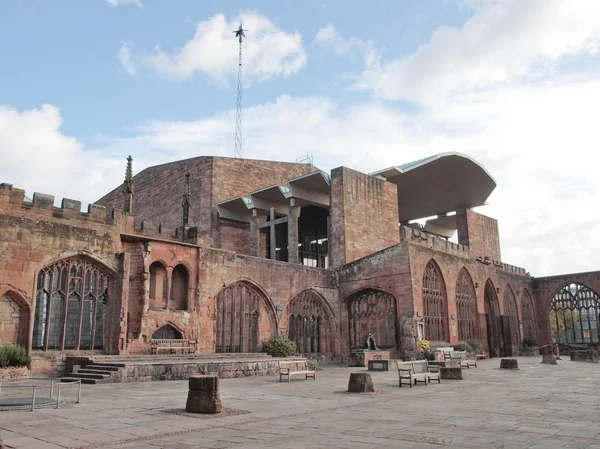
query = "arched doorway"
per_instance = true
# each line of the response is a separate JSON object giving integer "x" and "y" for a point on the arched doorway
{"x": 466, "y": 306}
{"x": 372, "y": 311}
{"x": 243, "y": 318}
{"x": 310, "y": 323}
{"x": 70, "y": 306}
{"x": 492, "y": 320}
{"x": 574, "y": 315}
{"x": 167, "y": 332}
{"x": 435, "y": 303}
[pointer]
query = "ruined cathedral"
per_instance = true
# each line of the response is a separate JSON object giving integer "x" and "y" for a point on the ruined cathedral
{"x": 227, "y": 253}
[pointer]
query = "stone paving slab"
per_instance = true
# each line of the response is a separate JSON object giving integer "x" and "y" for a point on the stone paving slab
{"x": 538, "y": 406}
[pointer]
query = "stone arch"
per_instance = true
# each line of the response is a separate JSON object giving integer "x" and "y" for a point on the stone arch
{"x": 466, "y": 306}
{"x": 15, "y": 312}
{"x": 528, "y": 316}
{"x": 493, "y": 320}
{"x": 374, "y": 311}
{"x": 511, "y": 332}
{"x": 167, "y": 332}
{"x": 435, "y": 303}
{"x": 70, "y": 304}
{"x": 310, "y": 323}
{"x": 180, "y": 281}
{"x": 574, "y": 314}
{"x": 244, "y": 316}
{"x": 158, "y": 287}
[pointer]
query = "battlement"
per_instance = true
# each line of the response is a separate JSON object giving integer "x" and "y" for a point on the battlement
{"x": 415, "y": 236}
{"x": 43, "y": 205}
{"x": 421, "y": 238}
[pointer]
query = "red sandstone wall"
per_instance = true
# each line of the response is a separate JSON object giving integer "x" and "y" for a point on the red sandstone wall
{"x": 479, "y": 233}
{"x": 234, "y": 236}
{"x": 364, "y": 215}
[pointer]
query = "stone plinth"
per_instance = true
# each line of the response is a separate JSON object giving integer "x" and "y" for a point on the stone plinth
{"x": 378, "y": 365}
{"x": 360, "y": 383}
{"x": 549, "y": 359}
{"x": 361, "y": 357}
{"x": 204, "y": 396}
{"x": 547, "y": 350}
{"x": 451, "y": 373}
{"x": 509, "y": 364}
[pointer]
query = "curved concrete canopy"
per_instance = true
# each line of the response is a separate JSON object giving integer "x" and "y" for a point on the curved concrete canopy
{"x": 439, "y": 184}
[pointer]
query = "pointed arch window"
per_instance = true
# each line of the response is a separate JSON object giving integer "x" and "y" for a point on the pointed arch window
{"x": 465, "y": 306}
{"x": 308, "y": 324}
{"x": 372, "y": 311}
{"x": 435, "y": 311}
{"x": 70, "y": 305}
{"x": 574, "y": 315}
{"x": 510, "y": 308}
{"x": 529, "y": 332}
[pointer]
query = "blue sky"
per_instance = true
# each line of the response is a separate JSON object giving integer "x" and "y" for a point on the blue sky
{"x": 363, "y": 84}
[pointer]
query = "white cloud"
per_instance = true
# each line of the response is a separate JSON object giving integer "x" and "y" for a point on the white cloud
{"x": 124, "y": 56}
{"x": 268, "y": 51}
{"x": 501, "y": 42}
{"x": 353, "y": 47}
{"x": 137, "y": 3}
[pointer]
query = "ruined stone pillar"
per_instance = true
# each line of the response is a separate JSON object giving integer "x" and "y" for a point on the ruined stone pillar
{"x": 204, "y": 396}
{"x": 293, "y": 214}
{"x": 254, "y": 234}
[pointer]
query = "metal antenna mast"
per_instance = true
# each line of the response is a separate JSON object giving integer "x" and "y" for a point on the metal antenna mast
{"x": 239, "y": 33}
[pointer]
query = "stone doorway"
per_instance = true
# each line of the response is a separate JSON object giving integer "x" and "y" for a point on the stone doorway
{"x": 14, "y": 321}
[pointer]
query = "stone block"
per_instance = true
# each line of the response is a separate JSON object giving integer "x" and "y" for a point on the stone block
{"x": 360, "y": 383}
{"x": 451, "y": 373}
{"x": 97, "y": 212}
{"x": 204, "y": 396}
{"x": 549, "y": 359}
{"x": 509, "y": 364}
{"x": 71, "y": 204}
{"x": 43, "y": 201}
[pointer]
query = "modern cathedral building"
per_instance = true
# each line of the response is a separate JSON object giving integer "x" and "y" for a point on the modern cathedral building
{"x": 230, "y": 252}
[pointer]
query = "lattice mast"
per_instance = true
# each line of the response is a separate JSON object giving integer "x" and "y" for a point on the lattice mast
{"x": 239, "y": 33}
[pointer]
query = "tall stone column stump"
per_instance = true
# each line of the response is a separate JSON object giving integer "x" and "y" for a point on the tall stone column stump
{"x": 204, "y": 396}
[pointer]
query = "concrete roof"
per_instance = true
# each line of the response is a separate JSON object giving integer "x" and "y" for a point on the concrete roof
{"x": 439, "y": 184}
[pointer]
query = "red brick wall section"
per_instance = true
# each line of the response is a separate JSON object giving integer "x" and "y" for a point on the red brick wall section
{"x": 545, "y": 288}
{"x": 364, "y": 215}
{"x": 234, "y": 236}
{"x": 479, "y": 233}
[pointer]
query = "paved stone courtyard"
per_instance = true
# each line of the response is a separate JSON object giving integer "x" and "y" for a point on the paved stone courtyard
{"x": 538, "y": 406}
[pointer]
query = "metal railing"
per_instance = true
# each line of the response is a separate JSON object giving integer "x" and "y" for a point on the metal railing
{"x": 4, "y": 384}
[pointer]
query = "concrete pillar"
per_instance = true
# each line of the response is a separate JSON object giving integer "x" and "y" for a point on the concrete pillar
{"x": 254, "y": 234}
{"x": 293, "y": 214}
{"x": 273, "y": 243}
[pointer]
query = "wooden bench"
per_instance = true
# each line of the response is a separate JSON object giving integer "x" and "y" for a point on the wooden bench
{"x": 465, "y": 362}
{"x": 172, "y": 346}
{"x": 417, "y": 371}
{"x": 294, "y": 367}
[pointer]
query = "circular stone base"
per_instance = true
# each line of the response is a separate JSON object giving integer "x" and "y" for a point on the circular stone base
{"x": 25, "y": 403}
{"x": 509, "y": 364}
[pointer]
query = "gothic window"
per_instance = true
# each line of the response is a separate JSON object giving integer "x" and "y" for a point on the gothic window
{"x": 309, "y": 323}
{"x": 242, "y": 319}
{"x": 465, "y": 306}
{"x": 528, "y": 317}
{"x": 179, "y": 288}
{"x": 435, "y": 313}
{"x": 574, "y": 315}
{"x": 167, "y": 332}
{"x": 510, "y": 309}
{"x": 70, "y": 306}
{"x": 372, "y": 311}
{"x": 158, "y": 284}
{"x": 493, "y": 325}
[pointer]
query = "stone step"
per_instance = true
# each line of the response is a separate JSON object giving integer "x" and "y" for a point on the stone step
{"x": 106, "y": 366}
{"x": 89, "y": 376}
{"x": 83, "y": 381}
{"x": 95, "y": 371}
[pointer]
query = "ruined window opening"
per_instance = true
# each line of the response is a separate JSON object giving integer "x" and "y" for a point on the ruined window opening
{"x": 179, "y": 288}
{"x": 529, "y": 332}
{"x": 70, "y": 306}
{"x": 309, "y": 324}
{"x": 435, "y": 312}
{"x": 493, "y": 325}
{"x": 158, "y": 285}
{"x": 167, "y": 332}
{"x": 510, "y": 309}
{"x": 574, "y": 315}
{"x": 372, "y": 311}
{"x": 465, "y": 306}
{"x": 312, "y": 236}
{"x": 238, "y": 318}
